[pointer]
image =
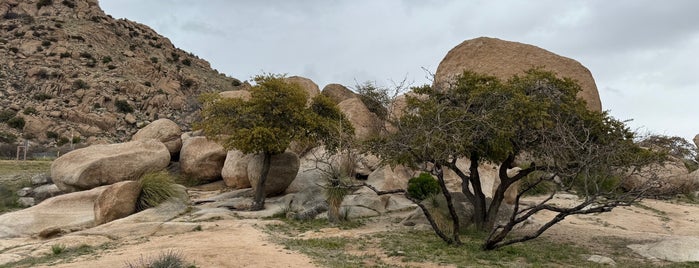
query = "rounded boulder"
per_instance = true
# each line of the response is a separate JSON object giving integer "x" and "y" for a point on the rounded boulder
{"x": 282, "y": 171}
{"x": 164, "y": 130}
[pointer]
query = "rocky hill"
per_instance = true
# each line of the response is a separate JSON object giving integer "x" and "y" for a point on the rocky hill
{"x": 68, "y": 69}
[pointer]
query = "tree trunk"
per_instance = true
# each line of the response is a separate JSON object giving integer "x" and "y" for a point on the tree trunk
{"x": 259, "y": 201}
{"x": 479, "y": 210}
{"x": 450, "y": 204}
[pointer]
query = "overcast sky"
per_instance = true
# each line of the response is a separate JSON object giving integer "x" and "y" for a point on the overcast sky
{"x": 644, "y": 55}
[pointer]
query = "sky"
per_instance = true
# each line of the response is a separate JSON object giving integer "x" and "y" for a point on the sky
{"x": 643, "y": 54}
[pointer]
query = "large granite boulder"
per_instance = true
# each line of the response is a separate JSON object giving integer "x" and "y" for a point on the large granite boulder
{"x": 337, "y": 93}
{"x": 98, "y": 165}
{"x": 202, "y": 159}
{"x": 235, "y": 170}
{"x": 117, "y": 201}
{"x": 164, "y": 130}
{"x": 306, "y": 84}
{"x": 283, "y": 170}
{"x": 72, "y": 211}
{"x": 504, "y": 59}
{"x": 366, "y": 124}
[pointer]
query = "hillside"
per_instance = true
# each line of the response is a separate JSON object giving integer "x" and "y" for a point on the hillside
{"x": 68, "y": 69}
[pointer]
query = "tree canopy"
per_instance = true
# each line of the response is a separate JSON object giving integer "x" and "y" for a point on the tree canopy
{"x": 534, "y": 122}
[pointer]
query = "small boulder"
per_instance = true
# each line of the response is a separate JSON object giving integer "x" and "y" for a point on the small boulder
{"x": 366, "y": 124}
{"x": 46, "y": 191}
{"x": 282, "y": 171}
{"x": 235, "y": 170}
{"x": 98, "y": 165}
{"x": 40, "y": 179}
{"x": 117, "y": 201}
{"x": 202, "y": 159}
{"x": 337, "y": 93}
{"x": 164, "y": 130}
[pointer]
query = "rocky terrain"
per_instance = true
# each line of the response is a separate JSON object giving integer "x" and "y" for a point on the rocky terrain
{"x": 69, "y": 70}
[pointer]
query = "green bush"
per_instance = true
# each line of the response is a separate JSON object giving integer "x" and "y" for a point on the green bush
{"x": 52, "y": 135}
{"x": 7, "y": 115}
{"x": 80, "y": 84}
{"x": 7, "y": 137}
{"x": 68, "y": 3}
{"x": 187, "y": 62}
{"x": 76, "y": 139}
{"x": 62, "y": 141}
{"x": 106, "y": 59}
{"x": 43, "y": 3}
{"x": 154, "y": 60}
{"x": 123, "y": 106}
{"x": 65, "y": 55}
{"x": 42, "y": 96}
{"x": 29, "y": 110}
{"x": 16, "y": 122}
{"x": 46, "y": 43}
{"x": 422, "y": 186}
{"x": 156, "y": 188}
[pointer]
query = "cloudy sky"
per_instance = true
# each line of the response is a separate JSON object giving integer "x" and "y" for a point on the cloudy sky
{"x": 643, "y": 54}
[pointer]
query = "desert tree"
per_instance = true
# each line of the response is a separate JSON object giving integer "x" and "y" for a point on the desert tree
{"x": 534, "y": 122}
{"x": 275, "y": 115}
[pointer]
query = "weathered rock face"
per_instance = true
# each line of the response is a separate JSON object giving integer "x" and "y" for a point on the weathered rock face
{"x": 308, "y": 85}
{"x": 202, "y": 159}
{"x": 337, "y": 92}
{"x": 504, "y": 59}
{"x": 98, "y": 165}
{"x": 282, "y": 171}
{"x": 117, "y": 201}
{"x": 366, "y": 124}
{"x": 68, "y": 212}
{"x": 235, "y": 170}
{"x": 83, "y": 70}
{"x": 164, "y": 130}
{"x": 387, "y": 178}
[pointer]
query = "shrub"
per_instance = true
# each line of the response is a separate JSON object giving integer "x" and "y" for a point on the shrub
{"x": 123, "y": 106}
{"x": 187, "y": 62}
{"x": 76, "y": 139}
{"x": 156, "y": 188}
{"x": 154, "y": 60}
{"x": 16, "y": 122}
{"x": 187, "y": 83}
{"x": 58, "y": 249}
{"x": 106, "y": 59}
{"x": 169, "y": 259}
{"x": 46, "y": 43}
{"x": 42, "y": 96}
{"x": 62, "y": 141}
{"x": 14, "y": 49}
{"x": 80, "y": 84}
{"x": 68, "y": 3}
{"x": 52, "y": 135}
{"x": 7, "y": 115}
{"x": 43, "y": 3}
{"x": 422, "y": 186}
{"x": 85, "y": 55}
{"x": 7, "y": 137}
{"x": 148, "y": 84}
{"x": 29, "y": 110}
{"x": 65, "y": 55}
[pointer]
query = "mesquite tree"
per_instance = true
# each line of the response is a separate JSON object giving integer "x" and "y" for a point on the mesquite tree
{"x": 534, "y": 122}
{"x": 275, "y": 115}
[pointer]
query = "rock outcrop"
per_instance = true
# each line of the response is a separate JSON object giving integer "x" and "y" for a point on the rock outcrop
{"x": 282, "y": 171}
{"x": 235, "y": 170}
{"x": 98, "y": 165}
{"x": 337, "y": 93}
{"x": 117, "y": 201}
{"x": 306, "y": 84}
{"x": 68, "y": 69}
{"x": 163, "y": 130}
{"x": 202, "y": 159}
{"x": 366, "y": 124}
{"x": 504, "y": 59}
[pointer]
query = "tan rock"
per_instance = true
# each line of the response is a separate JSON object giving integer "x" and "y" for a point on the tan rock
{"x": 282, "y": 171}
{"x": 235, "y": 170}
{"x": 670, "y": 178}
{"x": 117, "y": 201}
{"x": 366, "y": 124}
{"x": 130, "y": 119}
{"x": 504, "y": 59}
{"x": 202, "y": 159}
{"x": 338, "y": 93}
{"x": 164, "y": 130}
{"x": 98, "y": 165}
{"x": 308, "y": 85}
{"x": 386, "y": 178}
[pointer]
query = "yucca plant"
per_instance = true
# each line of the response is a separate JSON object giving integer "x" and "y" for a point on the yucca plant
{"x": 156, "y": 188}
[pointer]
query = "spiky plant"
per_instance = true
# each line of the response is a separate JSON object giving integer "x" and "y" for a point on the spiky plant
{"x": 156, "y": 188}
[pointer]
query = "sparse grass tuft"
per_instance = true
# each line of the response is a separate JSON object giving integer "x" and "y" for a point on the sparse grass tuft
{"x": 58, "y": 249}
{"x": 168, "y": 259}
{"x": 156, "y": 188}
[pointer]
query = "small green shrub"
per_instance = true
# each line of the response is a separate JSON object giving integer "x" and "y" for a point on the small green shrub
{"x": 156, "y": 188}
{"x": 29, "y": 110}
{"x": 16, "y": 122}
{"x": 52, "y": 135}
{"x": 46, "y": 43}
{"x": 148, "y": 84}
{"x": 62, "y": 141}
{"x": 123, "y": 106}
{"x": 43, "y": 3}
{"x": 187, "y": 62}
{"x": 65, "y": 55}
{"x": 76, "y": 139}
{"x": 58, "y": 249}
{"x": 154, "y": 60}
{"x": 7, "y": 137}
{"x": 80, "y": 84}
{"x": 6, "y": 115}
{"x": 423, "y": 186}
{"x": 106, "y": 59}
{"x": 42, "y": 96}
{"x": 68, "y": 3}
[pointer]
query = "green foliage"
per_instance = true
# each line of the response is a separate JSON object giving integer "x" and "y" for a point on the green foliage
{"x": 106, "y": 59}
{"x": 6, "y": 115}
{"x": 422, "y": 186}
{"x": 16, "y": 122}
{"x": 65, "y": 55}
{"x": 43, "y": 3}
{"x": 52, "y": 135}
{"x": 153, "y": 60}
{"x": 123, "y": 106}
{"x": 58, "y": 248}
{"x": 8, "y": 198}
{"x": 46, "y": 43}
{"x": 156, "y": 188}
{"x": 676, "y": 147}
{"x": 62, "y": 141}
{"x": 80, "y": 84}
{"x": 187, "y": 62}
{"x": 76, "y": 139}
{"x": 6, "y": 137}
{"x": 375, "y": 99}
{"x": 69, "y": 3}
{"x": 29, "y": 110}
{"x": 42, "y": 96}
{"x": 168, "y": 259}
